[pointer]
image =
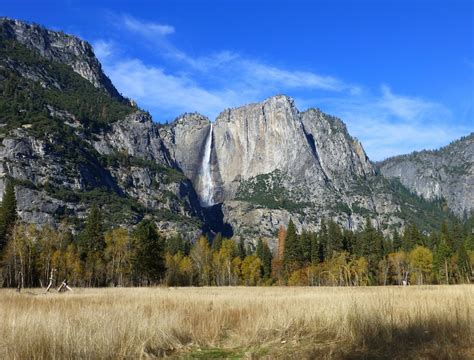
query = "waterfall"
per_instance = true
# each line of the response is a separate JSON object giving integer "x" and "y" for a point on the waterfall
{"x": 206, "y": 177}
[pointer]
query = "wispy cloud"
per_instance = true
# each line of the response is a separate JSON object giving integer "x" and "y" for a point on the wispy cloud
{"x": 386, "y": 122}
{"x": 206, "y": 84}
{"x": 103, "y": 49}
{"x": 390, "y": 124}
{"x": 148, "y": 29}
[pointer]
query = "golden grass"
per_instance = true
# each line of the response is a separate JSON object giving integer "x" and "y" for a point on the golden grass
{"x": 341, "y": 323}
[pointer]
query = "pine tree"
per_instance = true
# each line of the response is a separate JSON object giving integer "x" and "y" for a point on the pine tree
{"x": 217, "y": 242}
{"x": 264, "y": 253}
{"x": 464, "y": 263}
{"x": 348, "y": 241}
{"x": 314, "y": 248}
{"x": 323, "y": 241}
{"x": 334, "y": 239}
{"x": 396, "y": 241}
{"x": 291, "y": 246}
{"x": 372, "y": 247}
{"x": 305, "y": 247}
{"x": 177, "y": 244}
{"x": 442, "y": 254}
{"x": 8, "y": 214}
{"x": 148, "y": 255}
{"x": 92, "y": 245}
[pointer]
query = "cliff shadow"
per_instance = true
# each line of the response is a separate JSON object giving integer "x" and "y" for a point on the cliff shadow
{"x": 214, "y": 221}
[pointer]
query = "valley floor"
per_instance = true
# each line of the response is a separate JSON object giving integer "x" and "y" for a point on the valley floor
{"x": 432, "y": 322}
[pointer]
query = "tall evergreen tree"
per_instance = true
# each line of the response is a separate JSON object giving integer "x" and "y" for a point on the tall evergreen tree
{"x": 148, "y": 255}
{"x": 8, "y": 214}
{"x": 217, "y": 242}
{"x": 323, "y": 241}
{"x": 315, "y": 256}
{"x": 177, "y": 244}
{"x": 443, "y": 254}
{"x": 92, "y": 245}
{"x": 290, "y": 256}
{"x": 396, "y": 241}
{"x": 92, "y": 239}
{"x": 334, "y": 238}
{"x": 464, "y": 263}
{"x": 264, "y": 253}
{"x": 348, "y": 241}
{"x": 304, "y": 251}
{"x": 372, "y": 247}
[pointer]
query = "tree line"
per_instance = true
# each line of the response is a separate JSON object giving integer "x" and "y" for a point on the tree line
{"x": 332, "y": 256}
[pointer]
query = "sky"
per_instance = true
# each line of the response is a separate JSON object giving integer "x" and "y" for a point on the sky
{"x": 399, "y": 73}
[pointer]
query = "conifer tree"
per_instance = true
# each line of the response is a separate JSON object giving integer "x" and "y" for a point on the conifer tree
{"x": 314, "y": 249}
{"x": 323, "y": 241}
{"x": 348, "y": 241}
{"x": 148, "y": 256}
{"x": 217, "y": 242}
{"x": 334, "y": 238}
{"x": 93, "y": 240}
{"x": 291, "y": 246}
{"x": 264, "y": 253}
{"x": 8, "y": 214}
{"x": 464, "y": 263}
{"x": 443, "y": 254}
{"x": 92, "y": 245}
{"x": 305, "y": 247}
{"x": 177, "y": 244}
{"x": 372, "y": 247}
{"x": 396, "y": 241}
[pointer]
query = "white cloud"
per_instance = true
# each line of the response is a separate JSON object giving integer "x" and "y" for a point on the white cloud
{"x": 390, "y": 124}
{"x": 407, "y": 108}
{"x": 148, "y": 29}
{"x": 103, "y": 49}
{"x": 172, "y": 94}
{"x": 387, "y": 123}
{"x": 291, "y": 79}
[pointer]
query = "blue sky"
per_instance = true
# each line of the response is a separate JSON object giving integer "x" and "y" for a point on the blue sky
{"x": 400, "y": 73}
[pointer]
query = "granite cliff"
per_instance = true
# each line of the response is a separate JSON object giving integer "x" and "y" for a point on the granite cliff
{"x": 69, "y": 139}
{"x": 446, "y": 174}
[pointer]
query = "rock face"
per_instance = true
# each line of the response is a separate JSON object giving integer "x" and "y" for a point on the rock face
{"x": 69, "y": 143}
{"x": 447, "y": 173}
{"x": 62, "y": 48}
{"x": 67, "y": 150}
{"x": 270, "y": 162}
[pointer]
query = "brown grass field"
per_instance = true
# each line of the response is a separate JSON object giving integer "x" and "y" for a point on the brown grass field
{"x": 426, "y": 322}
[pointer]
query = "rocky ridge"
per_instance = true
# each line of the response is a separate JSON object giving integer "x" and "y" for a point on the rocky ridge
{"x": 62, "y": 48}
{"x": 72, "y": 140}
{"x": 444, "y": 174}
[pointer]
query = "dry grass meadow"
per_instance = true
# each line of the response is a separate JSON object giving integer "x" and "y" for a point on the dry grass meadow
{"x": 431, "y": 322}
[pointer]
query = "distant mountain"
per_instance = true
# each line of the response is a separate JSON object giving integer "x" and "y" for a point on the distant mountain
{"x": 69, "y": 139}
{"x": 444, "y": 174}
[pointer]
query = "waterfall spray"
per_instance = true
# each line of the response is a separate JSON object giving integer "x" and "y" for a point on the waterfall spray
{"x": 206, "y": 177}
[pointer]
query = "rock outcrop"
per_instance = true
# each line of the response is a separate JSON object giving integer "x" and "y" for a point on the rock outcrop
{"x": 60, "y": 47}
{"x": 66, "y": 150}
{"x": 444, "y": 174}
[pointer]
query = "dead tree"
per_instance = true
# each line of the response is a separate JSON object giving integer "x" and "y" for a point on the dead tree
{"x": 63, "y": 286}
{"x": 51, "y": 278}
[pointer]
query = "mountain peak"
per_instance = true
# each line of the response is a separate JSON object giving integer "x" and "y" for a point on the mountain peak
{"x": 60, "y": 47}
